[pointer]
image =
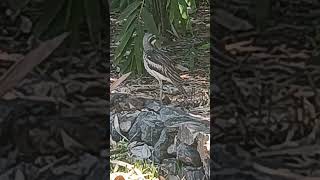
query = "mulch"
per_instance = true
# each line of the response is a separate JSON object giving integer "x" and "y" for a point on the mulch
{"x": 266, "y": 115}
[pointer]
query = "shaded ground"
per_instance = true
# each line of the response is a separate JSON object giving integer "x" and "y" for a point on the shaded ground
{"x": 266, "y": 115}
{"x": 53, "y": 121}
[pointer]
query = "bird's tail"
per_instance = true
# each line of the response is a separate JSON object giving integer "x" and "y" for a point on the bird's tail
{"x": 176, "y": 79}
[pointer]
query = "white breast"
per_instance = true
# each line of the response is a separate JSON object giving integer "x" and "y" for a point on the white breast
{"x": 153, "y": 73}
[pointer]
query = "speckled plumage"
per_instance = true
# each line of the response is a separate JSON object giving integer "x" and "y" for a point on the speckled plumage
{"x": 159, "y": 65}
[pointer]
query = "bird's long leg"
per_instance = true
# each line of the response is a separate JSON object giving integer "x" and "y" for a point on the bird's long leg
{"x": 161, "y": 86}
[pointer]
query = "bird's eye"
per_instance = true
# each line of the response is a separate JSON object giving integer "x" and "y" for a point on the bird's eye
{"x": 153, "y": 40}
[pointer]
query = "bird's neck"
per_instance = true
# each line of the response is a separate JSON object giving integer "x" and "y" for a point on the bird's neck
{"x": 147, "y": 46}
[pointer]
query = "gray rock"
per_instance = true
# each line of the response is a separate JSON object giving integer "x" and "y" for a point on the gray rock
{"x": 191, "y": 173}
{"x": 165, "y": 141}
{"x": 188, "y": 155}
{"x": 141, "y": 152}
{"x": 170, "y": 112}
{"x": 154, "y": 106}
{"x": 147, "y": 127}
{"x": 169, "y": 166}
{"x": 127, "y": 121}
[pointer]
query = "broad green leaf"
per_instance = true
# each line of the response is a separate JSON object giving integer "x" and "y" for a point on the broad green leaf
{"x": 124, "y": 40}
{"x": 93, "y": 16}
{"x": 138, "y": 50}
{"x": 193, "y": 6}
{"x": 123, "y": 57}
{"x": 128, "y": 64}
{"x": 149, "y": 22}
{"x": 115, "y": 4}
{"x": 52, "y": 8}
{"x": 183, "y": 9}
{"x": 149, "y": 4}
{"x": 172, "y": 10}
{"x": 124, "y": 67}
{"x": 168, "y": 4}
{"x": 123, "y": 4}
{"x": 127, "y": 25}
{"x": 129, "y": 10}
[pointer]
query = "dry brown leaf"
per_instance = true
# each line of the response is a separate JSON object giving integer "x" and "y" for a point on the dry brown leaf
{"x": 21, "y": 68}
{"x": 116, "y": 83}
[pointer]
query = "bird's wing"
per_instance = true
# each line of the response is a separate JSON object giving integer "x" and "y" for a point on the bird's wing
{"x": 153, "y": 64}
{"x": 163, "y": 64}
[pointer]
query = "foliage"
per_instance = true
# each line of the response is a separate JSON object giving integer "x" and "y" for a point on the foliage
{"x": 120, "y": 153}
{"x": 155, "y": 16}
{"x": 193, "y": 52}
{"x": 69, "y": 15}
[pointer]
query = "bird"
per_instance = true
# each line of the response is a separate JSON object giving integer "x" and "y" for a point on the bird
{"x": 159, "y": 65}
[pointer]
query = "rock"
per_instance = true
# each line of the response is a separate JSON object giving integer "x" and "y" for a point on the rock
{"x": 169, "y": 166}
{"x": 113, "y": 132}
{"x": 154, "y": 106}
{"x": 203, "y": 147}
{"x": 188, "y": 155}
{"x": 169, "y": 113}
{"x": 141, "y": 152}
{"x": 198, "y": 134}
{"x": 171, "y": 134}
{"x": 127, "y": 121}
{"x": 148, "y": 127}
{"x": 166, "y": 139}
{"x": 191, "y": 173}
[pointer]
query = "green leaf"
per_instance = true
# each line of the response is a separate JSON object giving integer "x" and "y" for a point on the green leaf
{"x": 149, "y": 22}
{"x": 127, "y": 25}
{"x": 174, "y": 30}
{"x": 173, "y": 9}
{"x": 124, "y": 41}
{"x": 168, "y": 4}
{"x": 193, "y": 6}
{"x": 93, "y": 15}
{"x": 183, "y": 9}
{"x": 138, "y": 50}
{"x": 115, "y": 4}
{"x": 205, "y": 46}
{"x": 52, "y": 8}
{"x": 123, "y": 4}
{"x": 123, "y": 57}
{"x": 129, "y": 10}
{"x": 129, "y": 64}
{"x": 125, "y": 66}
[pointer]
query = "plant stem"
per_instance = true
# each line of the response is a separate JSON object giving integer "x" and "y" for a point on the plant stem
{"x": 142, "y": 4}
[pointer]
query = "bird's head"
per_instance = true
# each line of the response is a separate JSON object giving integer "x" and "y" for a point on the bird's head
{"x": 149, "y": 41}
